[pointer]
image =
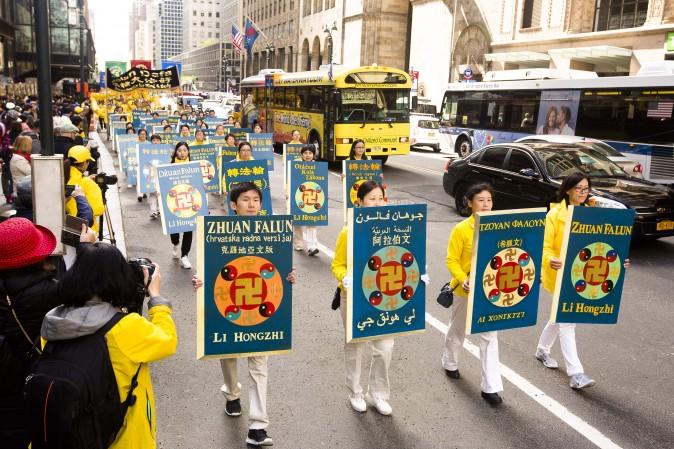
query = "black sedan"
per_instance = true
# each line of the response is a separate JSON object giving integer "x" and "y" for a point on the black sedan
{"x": 529, "y": 174}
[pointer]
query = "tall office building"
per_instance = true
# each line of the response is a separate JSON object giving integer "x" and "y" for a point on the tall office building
{"x": 170, "y": 28}
{"x": 203, "y": 23}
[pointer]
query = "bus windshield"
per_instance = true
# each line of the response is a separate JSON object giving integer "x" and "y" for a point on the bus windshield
{"x": 374, "y": 105}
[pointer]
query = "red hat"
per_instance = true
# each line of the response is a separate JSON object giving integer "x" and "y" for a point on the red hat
{"x": 23, "y": 243}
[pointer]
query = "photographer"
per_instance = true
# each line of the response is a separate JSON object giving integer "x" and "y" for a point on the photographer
{"x": 95, "y": 290}
{"x": 74, "y": 168}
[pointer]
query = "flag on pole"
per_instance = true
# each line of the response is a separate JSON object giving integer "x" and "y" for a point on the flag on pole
{"x": 252, "y": 33}
{"x": 237, "y": 39}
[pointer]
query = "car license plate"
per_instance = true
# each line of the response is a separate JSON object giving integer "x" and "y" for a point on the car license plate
{"x": 376, "y": 148}
{"x": 665, "y": 225}
{"x": 431, "y": 133}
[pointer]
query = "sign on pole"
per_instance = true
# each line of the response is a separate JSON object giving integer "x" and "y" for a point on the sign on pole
{"x": 181, "y": 196}
{"x": 356, "y": 173}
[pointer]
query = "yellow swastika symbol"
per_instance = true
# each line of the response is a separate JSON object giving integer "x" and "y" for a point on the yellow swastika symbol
{"x": 595, "y": 271}
{"x": 184, "y": 200}
{"x": 248, "y": 291}
{"x": 309, "y": 197}
{"x": 509, "y": 277}
{"x": 391, "y": 277}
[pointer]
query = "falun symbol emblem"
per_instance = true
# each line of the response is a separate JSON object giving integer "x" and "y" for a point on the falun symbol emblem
{"x": 184, "y": 201}
{"x": 310, "y": 197}
{"x": 595, "y": 270}
{"x": 390, "y": 278}
{"x": 509, "y": 277}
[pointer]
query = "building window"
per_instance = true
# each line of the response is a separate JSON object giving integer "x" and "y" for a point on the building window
{"x": 307, "y": 7}
{"x": 617, "y": 14}
{"x": 531, "y": 13}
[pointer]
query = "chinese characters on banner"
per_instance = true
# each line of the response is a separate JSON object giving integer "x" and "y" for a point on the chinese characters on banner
{"x": 207, "y": 155}
{"x": 125, "y": 144}
{"x": 137, "y": 78}
{"x": 240, "y": 134}
{"x": 252, "y": 171}
{"x": 308, "y": 194}
{"x": 386, "y": 256}
{"x": 181, "y": 196}
{"x": 263, "y": 148}
{"x": 505, "y": 270}
{"x": 245, "y": 306}
{"x": 596, "y": 244}
{"x": 356, "y": 173}
{"x": 149, "y": 157}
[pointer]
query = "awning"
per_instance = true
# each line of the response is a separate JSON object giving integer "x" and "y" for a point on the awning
{"x": 528, "y": 58}
{"x": 599, "y": 55}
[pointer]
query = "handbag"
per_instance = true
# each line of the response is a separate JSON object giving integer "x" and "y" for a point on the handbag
{"x": 446, "y": 296}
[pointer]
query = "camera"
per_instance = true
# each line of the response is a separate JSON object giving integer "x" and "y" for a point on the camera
{"x": 103, "y": 179}
{"x": 137, "y": 265}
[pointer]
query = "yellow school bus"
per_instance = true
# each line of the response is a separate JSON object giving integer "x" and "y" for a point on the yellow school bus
{"x": 332, "y": 107}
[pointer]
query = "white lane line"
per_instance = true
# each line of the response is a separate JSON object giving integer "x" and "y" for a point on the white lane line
{"x": 535, "y": 393}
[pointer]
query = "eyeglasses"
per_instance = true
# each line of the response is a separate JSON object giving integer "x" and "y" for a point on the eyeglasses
{"x": 581, "y": 189}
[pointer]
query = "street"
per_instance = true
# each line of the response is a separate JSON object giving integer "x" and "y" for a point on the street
{"x": 308, "y": 406}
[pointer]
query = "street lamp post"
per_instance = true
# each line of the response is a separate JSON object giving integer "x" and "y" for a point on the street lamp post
{"x": 43, "y": 46}
{"x": 82, "y": 50}
{"x": 270, "y": 50}
{"x": 329, "y": 33}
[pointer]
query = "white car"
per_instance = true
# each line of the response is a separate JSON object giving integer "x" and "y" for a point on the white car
{"x": 595, "y": 146}
{"x": 424, "y": 131}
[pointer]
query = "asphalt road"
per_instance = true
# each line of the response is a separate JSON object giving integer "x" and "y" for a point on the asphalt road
{"x": 630, "y": 407}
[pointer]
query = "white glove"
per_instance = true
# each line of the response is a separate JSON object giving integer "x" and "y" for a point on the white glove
{"x": 347, "y": 281}
{"x": 426, "y": 279}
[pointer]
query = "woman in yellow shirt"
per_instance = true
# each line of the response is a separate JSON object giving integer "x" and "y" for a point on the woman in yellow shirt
{"x": 199, "y": 137}
{"x": 459, "y": 254}
{"x": 181, "y": 155}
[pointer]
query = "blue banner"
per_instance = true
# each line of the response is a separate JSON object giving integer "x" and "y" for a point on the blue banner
{"x": 386, "y": 257}
{"x": 168, "y": 64}
{"x": 132, "y": 165}
{"x": 125, "y": 143}
{"x": 505, "y": 270}
{"x": 596, "y": 244}
{"x": 240, "y": 134}
{"x": 245, "y": 306}
{"x": 181, "y": 196}
{"x": 263, "y": 147}
{"x": 291, "y": 152}
{"x": 355, "y": 173}
{"x": 252, "y": 171}
{"x": 149, "y": 157}
{"x": 308, "y": 193}
{"x": 207, "y": 155}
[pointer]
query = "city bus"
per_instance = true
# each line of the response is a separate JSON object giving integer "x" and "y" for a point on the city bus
{"x": 332, "y": 107}
{"x": 633, "y": 114}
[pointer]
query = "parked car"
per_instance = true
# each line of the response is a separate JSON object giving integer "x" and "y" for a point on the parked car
{"x": 424, "y": 131}
{"x": 630, "y": 166}
{"x": 528, "y": 174}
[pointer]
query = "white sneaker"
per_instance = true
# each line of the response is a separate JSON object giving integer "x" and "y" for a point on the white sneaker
{"x": 358, "y": 403}
{"x": 176, "y": 251}
{"x": 382, "y": 406}
{"x": 185, "y": 262}
{"x": 298, "y": 248}
{"x": 546, "y": 359}
{"x": 580, "y": 381}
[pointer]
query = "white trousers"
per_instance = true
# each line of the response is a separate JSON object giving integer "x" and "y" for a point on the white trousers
{"x": 257, "y": 388}
{"x": 456, "y": 334}
{"x": 153, "y": 201}
{"x": 567, "y": 341}
{"x": 378, "y": 380}
{"x": 305, "y": 236}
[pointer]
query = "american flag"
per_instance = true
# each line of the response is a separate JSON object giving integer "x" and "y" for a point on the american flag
{"x": 237, "y": 39}
{"x": 660, "y": 109}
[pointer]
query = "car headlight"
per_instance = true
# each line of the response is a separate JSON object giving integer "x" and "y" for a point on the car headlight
{"x": 600, "y": 201}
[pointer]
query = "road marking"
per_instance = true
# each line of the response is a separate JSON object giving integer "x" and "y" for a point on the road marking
{"x": 535, "y": 393}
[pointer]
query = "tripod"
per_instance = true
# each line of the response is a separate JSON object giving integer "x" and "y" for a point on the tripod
{"x": 106, "y": 216}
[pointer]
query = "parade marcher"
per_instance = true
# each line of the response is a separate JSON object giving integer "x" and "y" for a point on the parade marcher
{"x": 244, "y": 152}
{"x": 153, "y": 197}
{"x": 459, "y": 254}
{"x": 306, "y": 237}
{"x": 184, "y": 131}
{"x": 74, "y": 167}
{"x": 220, "y": 130}
{"x": 230, "y": 140}
{"x": 181, "y": 155}
{"x": 246, "y": 201}
{"x": 131, "y": 130}
{"x": 257, "y": 129}
{"x": 155, "y": 139}
{"x": 100, "y": 287}
{"x": 199, "y": 137}
{"x": 295, "y": 136}
{"x": 168, "y": 129}
{"x": 19, "y": 164}
{"x": 575, "y": 191}
{"x": 142, "y": 135}
{"x": 378, "y": 390}
{"x": 357, "y": 152}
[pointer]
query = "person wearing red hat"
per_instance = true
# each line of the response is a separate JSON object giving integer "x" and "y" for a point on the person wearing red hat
{"x": 27, "y": 293}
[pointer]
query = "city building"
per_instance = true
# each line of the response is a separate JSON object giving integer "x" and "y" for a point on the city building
{"x": 202, "y": 22}
{"x": 140, "y": 36}
{"x": 314, "y": 40}
{"x": 610, "y": 37}
{"x": 169, "y": 29}
{"x": 212, "y": 67}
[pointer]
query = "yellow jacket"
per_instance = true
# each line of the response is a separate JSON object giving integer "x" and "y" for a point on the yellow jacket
{"x": 91, "y": 191}
{"x": 131, "y": 341}
{"x": 338, "y": 266}
{"x": 552, "y": 242}
{"x": 459, "y": 253}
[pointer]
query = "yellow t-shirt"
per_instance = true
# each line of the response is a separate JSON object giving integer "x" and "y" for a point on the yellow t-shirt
{"x": 459, "y": 253}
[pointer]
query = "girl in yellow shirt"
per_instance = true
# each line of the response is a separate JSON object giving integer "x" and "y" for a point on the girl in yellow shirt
{"x": 459, "y": 254}
{"x": 182, "y": 155}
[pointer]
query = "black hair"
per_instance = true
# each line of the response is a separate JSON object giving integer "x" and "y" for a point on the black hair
{"x": 184, "y": 126}
{"x": 477, "y": 188}
{"x": 367, "y": 187}
{"x": 142, "y": 130}
{"x": 243, "y": 143}
{"x": 228, "y": 135}
{"x": 175, "y": 151}
{"x": 155, "y": 136}
{"x": 242, "y": 187}
{"x": 100, "y": 270}
{"x": 130, "y": 128}
{"x": 568, "y": 183}
{"x": 199, "y": 130}
{"x": 352, "y": 153}
{"x": 308, "y": 148}
{"x": 169, "y": 127}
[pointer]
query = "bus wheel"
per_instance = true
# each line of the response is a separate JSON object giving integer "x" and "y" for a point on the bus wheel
{"x": 316, "y": 142}
{"x": 463, "y": 147}
{"x": 460, "y": 200}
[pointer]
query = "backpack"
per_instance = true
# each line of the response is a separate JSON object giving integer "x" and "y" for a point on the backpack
{"x": 72, "y": 396}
